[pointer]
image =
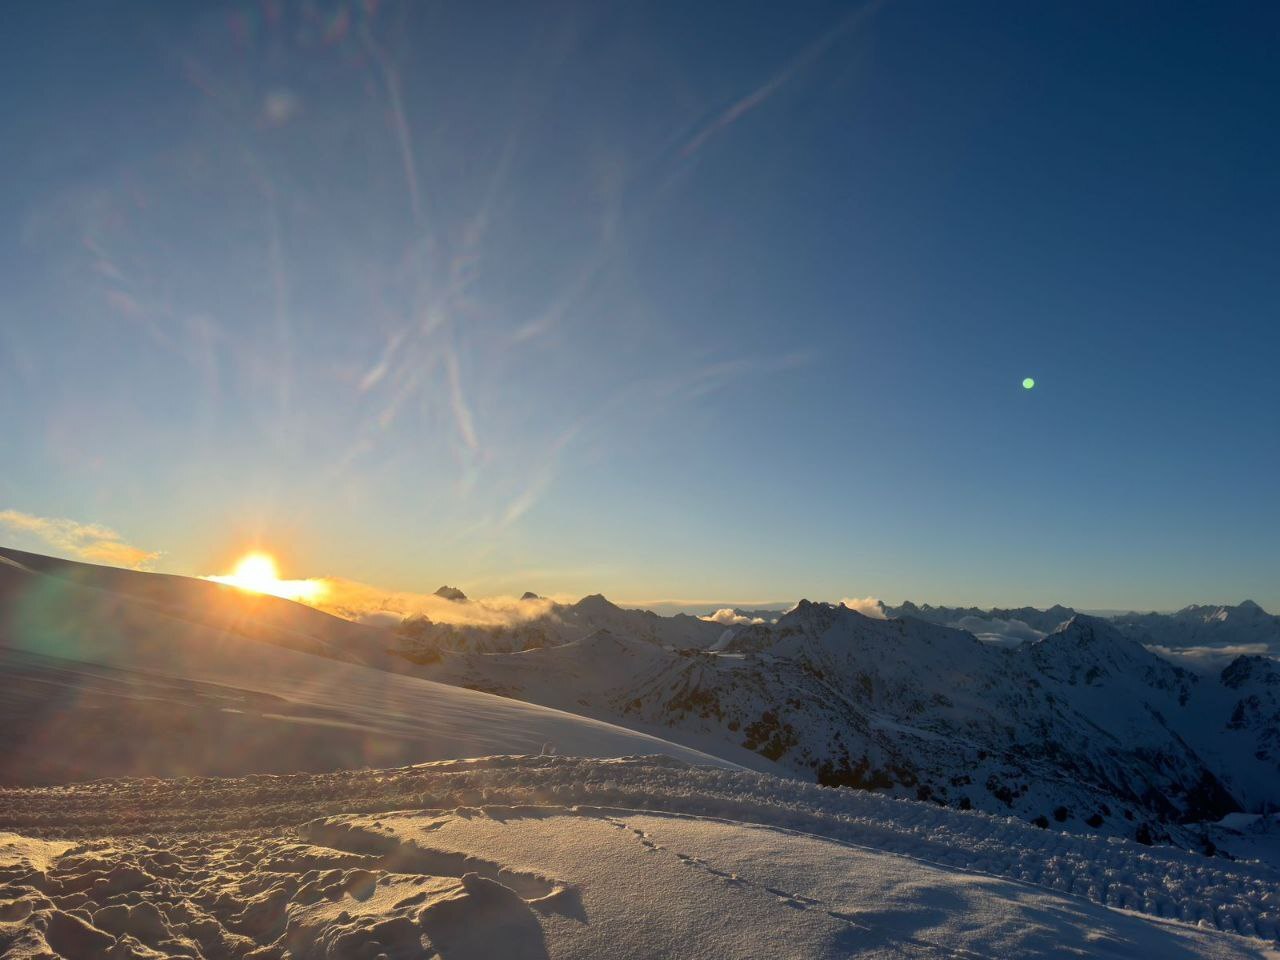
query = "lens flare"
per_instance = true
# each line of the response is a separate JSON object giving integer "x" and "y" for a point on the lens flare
{"x": 257, "y": 572}
{"x": 1028, "y": 383}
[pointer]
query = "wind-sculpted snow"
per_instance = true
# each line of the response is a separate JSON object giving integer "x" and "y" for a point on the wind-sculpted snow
{"x": 540, "y": 857}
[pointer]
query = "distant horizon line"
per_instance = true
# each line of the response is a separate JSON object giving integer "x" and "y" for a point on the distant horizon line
{"x": 680, "y": 605}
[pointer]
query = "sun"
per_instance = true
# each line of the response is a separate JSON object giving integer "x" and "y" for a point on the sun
{"x": 257, "y": 572}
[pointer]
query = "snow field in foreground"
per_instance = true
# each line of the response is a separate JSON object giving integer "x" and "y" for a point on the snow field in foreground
{"x": 729, "y": 864}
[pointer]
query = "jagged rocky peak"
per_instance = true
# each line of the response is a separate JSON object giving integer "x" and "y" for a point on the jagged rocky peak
{"x": 451, "y": 593}
{"x": 1086, "y": 630}
{"x": 816, "y": 618}
{"x": 802, "y": 611}
{"x": 1082, "y": 635}
{"x": 1093, "y": 645}
{"x": 530, "y": 595}
{"x": 595, "y": 602}
{"x": 1060, "y": 613}
{"x": 1245, "y": 609}
{"x": 885, "y": 612}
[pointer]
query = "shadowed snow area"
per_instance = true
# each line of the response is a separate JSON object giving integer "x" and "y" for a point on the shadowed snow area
{"x": 550, "y": 857}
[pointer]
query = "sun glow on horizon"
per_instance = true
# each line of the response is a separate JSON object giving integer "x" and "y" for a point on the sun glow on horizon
{"x": 257, "y": 572}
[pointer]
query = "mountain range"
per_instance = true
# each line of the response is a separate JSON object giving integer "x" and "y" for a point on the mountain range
{"x": 1082, "y": 726}
{"x": 1198, "y": 626}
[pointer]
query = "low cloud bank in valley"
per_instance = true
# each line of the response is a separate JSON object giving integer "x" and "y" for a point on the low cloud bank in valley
{"x": 378, "y": 606}
{"x": 1005, "y": 633}
{"x": 1211, "y": 659}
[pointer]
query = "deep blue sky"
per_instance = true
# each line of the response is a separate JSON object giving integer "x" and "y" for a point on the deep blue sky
{"x": 665, "y": 300}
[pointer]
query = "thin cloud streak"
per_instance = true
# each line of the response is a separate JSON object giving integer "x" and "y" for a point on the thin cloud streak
{"x": 403, "y": 134}
{"x": 85, "y": 541}
{"x": 741, "y": 107}
{"x": 458, "y": 402}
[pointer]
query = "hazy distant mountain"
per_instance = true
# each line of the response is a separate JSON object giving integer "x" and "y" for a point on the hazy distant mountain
{"x": 424, "y": 640}
{"x": 1242, "y": 625}
{"x": 1044, "y": 621}
{"x": 997, "y": 625}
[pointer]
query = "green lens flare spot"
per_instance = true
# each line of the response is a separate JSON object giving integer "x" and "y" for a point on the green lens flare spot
{"x": 1028, "y": 383}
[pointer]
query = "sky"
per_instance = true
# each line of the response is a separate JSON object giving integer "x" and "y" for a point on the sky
{"x": 700, "y": 302}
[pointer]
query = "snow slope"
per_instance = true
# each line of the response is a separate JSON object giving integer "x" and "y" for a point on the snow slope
{"x": 98, "y": 683}
{"x": 533, "y": 858}
{"x": 219, "y": 607}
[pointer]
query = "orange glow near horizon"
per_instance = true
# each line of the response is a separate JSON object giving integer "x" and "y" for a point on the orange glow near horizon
{"x": 257, "y": 572}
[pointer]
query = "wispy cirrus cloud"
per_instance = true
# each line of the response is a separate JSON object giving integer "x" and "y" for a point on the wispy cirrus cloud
{"x": 86, "y": 541}
{"x": 744, "y": 105}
